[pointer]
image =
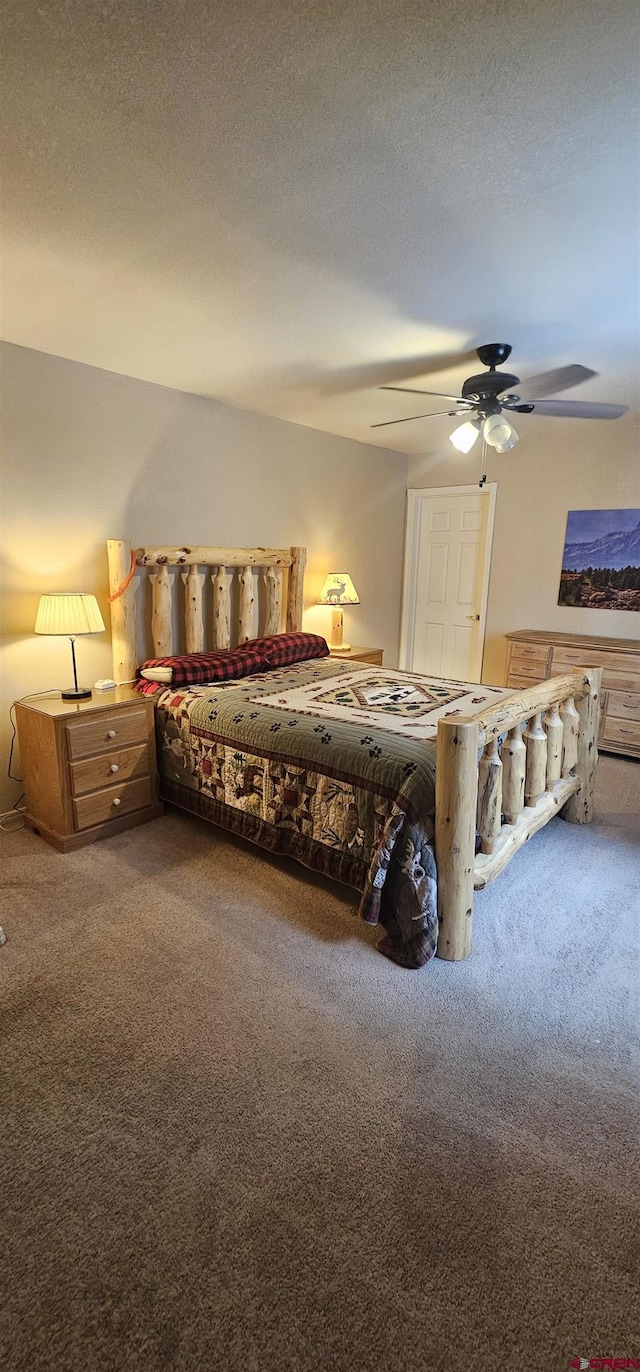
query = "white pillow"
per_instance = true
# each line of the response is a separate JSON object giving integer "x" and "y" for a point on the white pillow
{"x": 163, "y": 674}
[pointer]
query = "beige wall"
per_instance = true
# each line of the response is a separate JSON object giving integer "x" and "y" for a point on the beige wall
{"x": 559, "y": 465}
{"x": 90, "y": 455}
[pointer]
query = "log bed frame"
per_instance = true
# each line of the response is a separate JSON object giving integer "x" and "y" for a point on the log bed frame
{"x": 504, "y": 794}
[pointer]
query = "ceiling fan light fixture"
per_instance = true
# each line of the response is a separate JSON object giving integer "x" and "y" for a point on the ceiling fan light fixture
{"x": 497, "y": 431}
{"x": 464, "y": 437}
{"x": 509, "y": 443}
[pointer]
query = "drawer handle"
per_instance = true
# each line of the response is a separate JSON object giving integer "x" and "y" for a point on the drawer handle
{"x": 111, "y": 733}
{"x": 116, "y": 801}
{"x": 625, "y": 731}
{"x": 114, "y": 767}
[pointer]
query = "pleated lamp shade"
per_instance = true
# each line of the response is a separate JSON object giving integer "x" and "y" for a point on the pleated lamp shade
{"x": 69, "y": 613}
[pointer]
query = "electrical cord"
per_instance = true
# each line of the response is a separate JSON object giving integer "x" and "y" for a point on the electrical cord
{"x": 15, "y": 811}
{"x": 7, "y": 824}
{"x": 12, "y": 722}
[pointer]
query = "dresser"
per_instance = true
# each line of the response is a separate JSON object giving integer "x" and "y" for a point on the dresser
{"x": 354, "y": 654}
{"x": 89, "y": 767}
{"x": 533, "y": 655}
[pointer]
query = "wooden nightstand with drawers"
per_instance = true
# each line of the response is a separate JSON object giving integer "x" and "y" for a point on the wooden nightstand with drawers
{"x": 372, "y": 655}
{"x": 89, "y": 767}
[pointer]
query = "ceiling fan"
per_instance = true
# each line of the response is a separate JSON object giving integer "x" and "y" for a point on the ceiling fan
{"x": 487, "y": 395}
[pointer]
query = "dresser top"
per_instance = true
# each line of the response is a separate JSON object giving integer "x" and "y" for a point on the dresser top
{"x": 575, "y": 640}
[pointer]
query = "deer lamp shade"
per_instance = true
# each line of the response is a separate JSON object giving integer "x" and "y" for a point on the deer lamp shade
{"x": 338, "y": 590}
{"x": 70, "y": 613}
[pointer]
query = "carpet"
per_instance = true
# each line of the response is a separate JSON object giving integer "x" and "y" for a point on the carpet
{"x": 233, "y": 1136}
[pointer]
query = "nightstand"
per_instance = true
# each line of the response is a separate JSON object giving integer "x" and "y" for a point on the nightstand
{"x": 89, "y": 766}
{"x": 354, "y": 654}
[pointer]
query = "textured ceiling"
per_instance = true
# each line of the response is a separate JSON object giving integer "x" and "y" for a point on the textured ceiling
{"x": 256, "y": 201}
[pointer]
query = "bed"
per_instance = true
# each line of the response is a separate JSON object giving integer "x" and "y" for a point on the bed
{"x": 413, "y": 791}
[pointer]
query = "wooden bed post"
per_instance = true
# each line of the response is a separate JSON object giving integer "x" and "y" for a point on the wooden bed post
{"x": 455, "y": 834}
{"x": 295, "y": 593}
{"x": 123, "y": 617}
{"x": 579, "y": 807}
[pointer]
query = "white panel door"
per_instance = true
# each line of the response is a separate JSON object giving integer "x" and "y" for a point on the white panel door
{"x": 449, "y": 564}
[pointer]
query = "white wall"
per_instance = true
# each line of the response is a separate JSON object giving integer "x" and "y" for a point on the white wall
{"x": 559, "y": 465}
{"x": 91, "y": 455}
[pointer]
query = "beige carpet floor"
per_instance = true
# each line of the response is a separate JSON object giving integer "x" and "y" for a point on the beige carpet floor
{"x": 233, "y": 1136}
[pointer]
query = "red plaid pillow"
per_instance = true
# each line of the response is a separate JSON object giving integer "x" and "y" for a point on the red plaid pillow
{"x": 194, "y": 669}
{"x": 281, "y": 650}
{"x": 258, "y": 655}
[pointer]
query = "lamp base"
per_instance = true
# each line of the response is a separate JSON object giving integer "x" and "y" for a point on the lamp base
{"x": 340, "y": 647}
{"x": 82, "y": 693}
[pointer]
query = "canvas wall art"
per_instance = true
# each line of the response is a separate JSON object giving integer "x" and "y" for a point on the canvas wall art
{"x": 601, "y": 560}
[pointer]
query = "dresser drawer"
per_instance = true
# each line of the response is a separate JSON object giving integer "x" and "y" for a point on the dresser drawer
{"x": 107, "y": 731}
{"x": 529, "y": 659}
{"x": 520, "y": 683}
{"x": 626, "y": 732}
{"x": 621, "y": 683}
{"x": 109, "y": 768}
{"x": 623, "y": 705}
{"x": 594, "y": 657}
{"x": 109, "y": 804}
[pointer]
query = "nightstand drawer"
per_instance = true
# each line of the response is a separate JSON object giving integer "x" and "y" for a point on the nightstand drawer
{"x": 109, "y": 768}
{"x": 375, "y": 659}
{"x": 359, "y": 654}
{"x": 110, "y": 804}
{"x": 107, "y": 731}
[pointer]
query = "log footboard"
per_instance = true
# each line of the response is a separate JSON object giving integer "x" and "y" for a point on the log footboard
{"x": 503, "y": 775}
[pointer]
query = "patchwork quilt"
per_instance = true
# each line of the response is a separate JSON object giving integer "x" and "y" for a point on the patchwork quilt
{"x": 332, "y": 763}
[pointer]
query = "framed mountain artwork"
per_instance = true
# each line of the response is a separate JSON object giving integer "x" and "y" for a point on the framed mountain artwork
{"x": 601, "y": 560}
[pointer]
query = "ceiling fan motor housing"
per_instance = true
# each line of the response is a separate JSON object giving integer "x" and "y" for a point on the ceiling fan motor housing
{"x": 487, "y": 386}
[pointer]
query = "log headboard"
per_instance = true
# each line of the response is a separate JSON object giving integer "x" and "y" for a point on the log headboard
{"x": 274, "y": 563}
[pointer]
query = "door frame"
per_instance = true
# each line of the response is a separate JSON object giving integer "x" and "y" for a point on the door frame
{"x": 415, "y": 498}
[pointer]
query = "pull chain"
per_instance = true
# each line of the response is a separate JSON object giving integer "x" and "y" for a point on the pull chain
{"x": 483, "y": 464}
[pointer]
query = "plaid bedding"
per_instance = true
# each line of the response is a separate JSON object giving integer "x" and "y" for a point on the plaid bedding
{"x": 331, "y": 763}
{"x": 276, "y": 650}
{"x": 282, "y": 650}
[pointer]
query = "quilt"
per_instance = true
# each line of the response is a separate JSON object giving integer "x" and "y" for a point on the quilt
{"x": 331, "y": 763}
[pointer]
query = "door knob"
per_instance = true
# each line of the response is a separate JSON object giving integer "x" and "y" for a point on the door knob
{"x": 473, "y": 616}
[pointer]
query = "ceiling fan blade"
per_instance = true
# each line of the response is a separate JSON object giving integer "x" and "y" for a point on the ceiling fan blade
{"x": 398, "y": 369}
{"x": 578, "y": 409}
{"x": 559, "y": 380}
{"x": 440, "y": 395}
{"x": 407, "y": 419}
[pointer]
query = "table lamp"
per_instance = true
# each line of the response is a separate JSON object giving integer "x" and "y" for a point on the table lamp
{"x": 338, "y": 590}
{"x": 70, "y": 614}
